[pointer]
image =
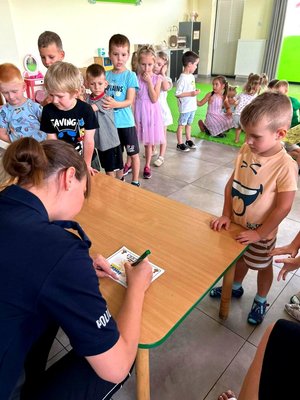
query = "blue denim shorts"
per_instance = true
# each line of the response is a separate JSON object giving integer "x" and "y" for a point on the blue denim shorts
{"x": 186, "y": 118}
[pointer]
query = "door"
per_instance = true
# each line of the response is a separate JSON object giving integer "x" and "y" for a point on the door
{"x": 227, "y": 33}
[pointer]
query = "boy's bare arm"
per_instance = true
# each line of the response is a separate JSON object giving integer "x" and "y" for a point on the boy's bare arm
{"x": 283, "y": 206}
{"x": 4, "y": 135}
{"x": 193, "y": 93}
{"x": 88, "y": 148}
{"x": 109, "y": 102}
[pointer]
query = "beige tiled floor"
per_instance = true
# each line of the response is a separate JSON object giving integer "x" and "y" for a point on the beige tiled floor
{"x": 205, "y": 355}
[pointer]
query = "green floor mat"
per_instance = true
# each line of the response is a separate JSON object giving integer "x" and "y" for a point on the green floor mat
{"x": 294, "y": 91}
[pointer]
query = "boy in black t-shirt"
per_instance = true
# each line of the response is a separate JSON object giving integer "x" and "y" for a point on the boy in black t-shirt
{"x": 67, "y": 117}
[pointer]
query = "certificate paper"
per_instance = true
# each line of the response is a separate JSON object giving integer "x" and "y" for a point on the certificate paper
{"x": 123, "y": 255}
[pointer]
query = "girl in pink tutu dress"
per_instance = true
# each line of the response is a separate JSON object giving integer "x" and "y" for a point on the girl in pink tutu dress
{"x": 216, "y": 121}
{"x": 147, "y": 112}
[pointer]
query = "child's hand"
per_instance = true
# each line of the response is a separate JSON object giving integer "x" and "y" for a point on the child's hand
{"x": 289, "y": 264}
{"x": 247, "y": 237}
{"x": 288, "y": 249}
{"x": 164, "y": 69}
{"x": 108, "y": 102}
{"x": 146, "y": 77}
{"x": 92, "y": 171}
{"x": 218, "y": 223}
{"x": 195, "y": 92}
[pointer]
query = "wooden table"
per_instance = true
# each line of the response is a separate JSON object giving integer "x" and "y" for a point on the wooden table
{"x": 194, "y": 257}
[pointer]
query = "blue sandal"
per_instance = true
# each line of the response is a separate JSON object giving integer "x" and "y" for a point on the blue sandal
{"x": 216, "y": 292}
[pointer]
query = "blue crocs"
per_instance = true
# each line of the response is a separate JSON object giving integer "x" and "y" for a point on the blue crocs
{"x": 257, "y": 313}
{"x": 216, "y": 292}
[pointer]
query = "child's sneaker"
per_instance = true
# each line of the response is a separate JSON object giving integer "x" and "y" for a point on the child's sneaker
{"x": 182, "y": 147}
{"x": 159, "y": 162}
{"x": 136, "y": 183}
{"x": 147, "y": 173}
{"x": 190, "y": 144}
{"x": 257, "y": 313}
{"x": 127, "y": 169}
{"x": 293, "y": 310}
{"x": 295, "y": 299}
{"x": 216, "y": 292}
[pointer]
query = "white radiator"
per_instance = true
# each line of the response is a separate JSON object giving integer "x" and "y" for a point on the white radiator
{"x": 249, "y": 57}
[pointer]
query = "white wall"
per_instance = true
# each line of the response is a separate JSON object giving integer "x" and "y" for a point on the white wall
{"x": 8, "y": 43}
{"x": 84, "y": 27}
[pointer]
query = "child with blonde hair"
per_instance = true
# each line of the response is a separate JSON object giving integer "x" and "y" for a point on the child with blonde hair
{"x": 216, "y": 122}
{"x": 259, "y": 194}
{"x": 147, "y": 113}
{"x": 250, "y": 91}
{"x": 231, "y": 97}
{"x": 160, "y": 68}
{"x": 20, "y": 116}
{"x": 67, "y": 117}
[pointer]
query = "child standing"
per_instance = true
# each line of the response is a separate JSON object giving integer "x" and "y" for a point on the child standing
{"x": 67, "y": 117}
{"x": 147, "y": 112}
{"x": 216, "y": 121}
{"x": 259, "y": 194}
{"x": 250, "y": 91}
{"x": 160, "y": 68}
{"x": 186, "y": 94}
{"x": 50, "y": 48}
{"x": 122, "y": 85}
{"x": 107, "y": 140}
{"x": 20, "y": 116}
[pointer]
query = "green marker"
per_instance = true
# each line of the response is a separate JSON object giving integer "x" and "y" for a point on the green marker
{"x": 141, "y": 258}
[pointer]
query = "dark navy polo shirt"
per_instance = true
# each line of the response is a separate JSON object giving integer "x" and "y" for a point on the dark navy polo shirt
{"x": 46, "y": 276}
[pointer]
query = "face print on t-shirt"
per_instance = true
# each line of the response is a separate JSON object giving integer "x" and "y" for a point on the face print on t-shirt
{"x": 245, "y": 194}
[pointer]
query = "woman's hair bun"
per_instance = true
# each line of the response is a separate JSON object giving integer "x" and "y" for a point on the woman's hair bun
{"x": 25, "y": 160}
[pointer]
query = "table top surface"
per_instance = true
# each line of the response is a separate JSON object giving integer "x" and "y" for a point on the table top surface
{"x": 193, "y": 256}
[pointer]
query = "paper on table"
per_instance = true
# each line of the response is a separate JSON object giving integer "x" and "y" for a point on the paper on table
{"x": 118, "y": 259}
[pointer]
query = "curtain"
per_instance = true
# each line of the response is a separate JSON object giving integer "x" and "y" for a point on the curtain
{"x": 272, "y": 51}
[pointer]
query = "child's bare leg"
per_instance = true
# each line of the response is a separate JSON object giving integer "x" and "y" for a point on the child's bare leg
{"x": 264, "y": 280}
{"x": 135, "y": 163}
{"x": 120, "y": 173}
{"x": 110, "y": 173}
{"x": 179, "y": 134}
{"x": 241, "y": 270}
{"x": 163, "y": 146}
{"x": 148, "y": 155}
{"x": 237, "y": 134}
{"x": 188, "y": 130}
{"x": 128, "y": 161}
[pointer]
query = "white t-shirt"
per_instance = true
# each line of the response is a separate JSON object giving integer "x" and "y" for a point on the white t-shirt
{"x": 186, "y": 83}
